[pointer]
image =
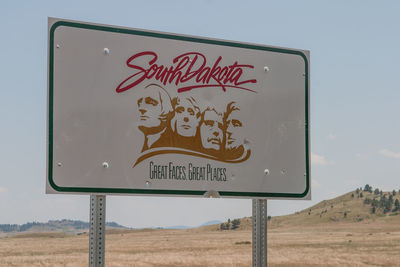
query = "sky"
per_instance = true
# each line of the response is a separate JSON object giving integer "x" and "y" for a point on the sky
{"x": 355, "y": 93}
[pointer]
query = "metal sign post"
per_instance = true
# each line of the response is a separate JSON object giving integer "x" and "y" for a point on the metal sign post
{"x": 97, "y": 231}
{"x": 259, "y": 232}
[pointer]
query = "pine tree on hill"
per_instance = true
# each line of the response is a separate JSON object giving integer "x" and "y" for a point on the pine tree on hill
{"x": 368, "y": 188}
{"x": 235, "y": 224}
{"x": 373, "y": 209}
{"x": 396, "y": 205}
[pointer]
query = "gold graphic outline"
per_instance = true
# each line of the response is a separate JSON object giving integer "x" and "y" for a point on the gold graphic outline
{"x": 190, "y": 153}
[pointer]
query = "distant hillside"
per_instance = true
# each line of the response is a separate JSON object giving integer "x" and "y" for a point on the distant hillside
{"x": 65, "y": 226}
{"x": 176, "y": 227}
{"x": 210, "y": 223}
{"x": 214, "y": 222}
{"x": 356, "y": 206}
{"x": 361, "y": 205}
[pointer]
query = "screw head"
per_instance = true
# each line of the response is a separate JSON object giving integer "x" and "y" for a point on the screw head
{"x": 106, "y": 51}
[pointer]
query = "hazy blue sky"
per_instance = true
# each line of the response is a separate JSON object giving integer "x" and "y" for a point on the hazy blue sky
{"x": 355, "y": 93}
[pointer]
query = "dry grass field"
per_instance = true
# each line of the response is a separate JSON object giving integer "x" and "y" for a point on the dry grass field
{"x": 337, "y": 232}
{"x": 361, "y": 244}
{"x": 131, "y": 248}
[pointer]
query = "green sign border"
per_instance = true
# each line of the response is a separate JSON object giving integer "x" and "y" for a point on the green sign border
{"x": 173, "y": 37}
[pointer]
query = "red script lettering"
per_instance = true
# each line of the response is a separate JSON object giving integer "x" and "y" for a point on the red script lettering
{"x": 187, "y": 67}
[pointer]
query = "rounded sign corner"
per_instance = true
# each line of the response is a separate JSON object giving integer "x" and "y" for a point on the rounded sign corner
{"x": 55, "y": 25}
{"x": 306, "y": 191}
{"x": 53, "y": 185}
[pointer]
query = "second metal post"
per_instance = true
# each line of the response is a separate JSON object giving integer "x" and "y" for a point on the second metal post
{"x": 259, "y": 232}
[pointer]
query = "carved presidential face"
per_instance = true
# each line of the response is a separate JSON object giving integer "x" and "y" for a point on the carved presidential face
{"x": 186, "y": 119}
{"x": 211, "y": 130}
{"x": 234, "y": 130}
{"x": 149, "y": 105}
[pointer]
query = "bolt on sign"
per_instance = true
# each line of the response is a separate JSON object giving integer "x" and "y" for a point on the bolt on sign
{"x": 149, "y": 113}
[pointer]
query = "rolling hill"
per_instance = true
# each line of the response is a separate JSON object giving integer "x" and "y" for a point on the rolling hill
{"x": 356, "y": 206}
{"x": 62, "y": 226}
{"x": 353, "y": 207}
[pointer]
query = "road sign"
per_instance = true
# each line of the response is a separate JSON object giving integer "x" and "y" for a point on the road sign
{"x": 142, "y": 112}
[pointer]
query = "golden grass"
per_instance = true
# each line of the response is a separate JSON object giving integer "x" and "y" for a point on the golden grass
{"x": 343, "y": 244}
{"x": 338, "y": 245}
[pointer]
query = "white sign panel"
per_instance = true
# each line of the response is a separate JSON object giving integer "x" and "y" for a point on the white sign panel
{"x": 141, "y": 112}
